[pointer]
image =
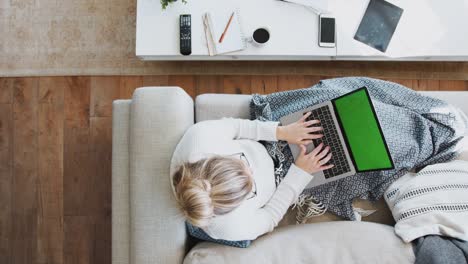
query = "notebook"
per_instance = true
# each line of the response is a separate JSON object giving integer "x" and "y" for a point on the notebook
{"x": 215, "y": 24}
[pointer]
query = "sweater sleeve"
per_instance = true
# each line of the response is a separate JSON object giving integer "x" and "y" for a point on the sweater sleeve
{"x": 265, "y": 219}
{"x": 235, "y": 128}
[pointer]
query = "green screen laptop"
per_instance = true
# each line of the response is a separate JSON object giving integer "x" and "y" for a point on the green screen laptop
{"x": 352, "y": 130}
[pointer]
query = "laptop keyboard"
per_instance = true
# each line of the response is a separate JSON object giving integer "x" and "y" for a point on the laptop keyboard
{"x": 330, "y": 138}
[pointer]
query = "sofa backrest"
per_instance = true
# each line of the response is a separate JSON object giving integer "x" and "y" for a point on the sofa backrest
{"x": 215, "y": 106}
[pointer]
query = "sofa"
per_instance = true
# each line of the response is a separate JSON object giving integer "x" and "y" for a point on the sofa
{"x": 148, "y": 228}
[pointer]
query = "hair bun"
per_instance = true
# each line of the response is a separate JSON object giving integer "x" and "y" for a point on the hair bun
{"x": 195, "y": 200}
{"x": 209, "y": 187}
{"x": 206, "y": 186}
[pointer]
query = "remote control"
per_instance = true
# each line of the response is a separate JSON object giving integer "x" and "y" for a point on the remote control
{"x": 185, "y": 34}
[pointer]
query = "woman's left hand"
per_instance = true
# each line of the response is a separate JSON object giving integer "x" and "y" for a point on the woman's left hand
{"x": 299, "y": 132}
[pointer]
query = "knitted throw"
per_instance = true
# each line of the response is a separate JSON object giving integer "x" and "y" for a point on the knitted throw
{"x": 419, "y": 131}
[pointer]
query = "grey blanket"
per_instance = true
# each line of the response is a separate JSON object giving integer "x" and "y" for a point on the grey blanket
{"x": 419, "y": 131}
{"x": 440, "y": 250}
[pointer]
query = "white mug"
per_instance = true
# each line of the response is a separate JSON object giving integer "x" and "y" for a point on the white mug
{"x": 260, "y": 36}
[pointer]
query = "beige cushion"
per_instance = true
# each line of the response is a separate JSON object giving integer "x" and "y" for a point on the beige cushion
{"x": 464, "y": 149}
{"x": 463, "y": 156}
{"x": 456, "y": 98}
{"x": 216, "y": 106}
{"x": 158, "y": 119}
{"x": 332, "y": 242}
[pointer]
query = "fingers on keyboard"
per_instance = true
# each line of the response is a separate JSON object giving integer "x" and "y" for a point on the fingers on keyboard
{"x": 329, "y": 137}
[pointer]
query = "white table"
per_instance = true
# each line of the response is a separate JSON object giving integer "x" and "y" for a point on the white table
{"x": 428, "y": 30}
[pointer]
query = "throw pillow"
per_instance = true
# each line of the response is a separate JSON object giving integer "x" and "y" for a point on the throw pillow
{"x": 433, "y": 201}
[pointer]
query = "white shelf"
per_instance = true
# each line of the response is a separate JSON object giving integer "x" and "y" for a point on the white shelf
{"x": 428, "y": 30}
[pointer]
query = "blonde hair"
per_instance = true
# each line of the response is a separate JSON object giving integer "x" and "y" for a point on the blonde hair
{"x": 212, "y": 186}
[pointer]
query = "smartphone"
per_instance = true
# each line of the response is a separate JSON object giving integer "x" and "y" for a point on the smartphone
{"x": 327, "y": 32}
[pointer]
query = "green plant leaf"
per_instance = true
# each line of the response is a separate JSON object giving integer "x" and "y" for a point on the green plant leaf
{"x": 165, "y": 3}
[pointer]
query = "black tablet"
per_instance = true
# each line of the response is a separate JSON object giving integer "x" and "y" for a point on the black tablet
{"x": 378, "y": 24}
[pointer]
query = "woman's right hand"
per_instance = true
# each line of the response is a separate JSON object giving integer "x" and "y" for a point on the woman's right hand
{"x": 315, "y": 160}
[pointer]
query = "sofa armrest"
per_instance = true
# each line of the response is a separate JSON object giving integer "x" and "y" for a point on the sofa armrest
{"x": 159, "y": 116}
{"x": 120, "y": 183}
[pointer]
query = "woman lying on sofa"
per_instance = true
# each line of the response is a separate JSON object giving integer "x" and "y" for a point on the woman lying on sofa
{"x": 223, "y": 179}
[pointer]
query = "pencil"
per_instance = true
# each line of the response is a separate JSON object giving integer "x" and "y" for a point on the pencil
{"x": 225, "y": 29}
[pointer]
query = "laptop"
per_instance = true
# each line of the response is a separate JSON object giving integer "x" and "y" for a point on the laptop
{"x": 352, "y": 130}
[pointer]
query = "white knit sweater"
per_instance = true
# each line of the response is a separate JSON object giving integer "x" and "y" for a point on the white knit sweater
{"x": 227, "y": 136}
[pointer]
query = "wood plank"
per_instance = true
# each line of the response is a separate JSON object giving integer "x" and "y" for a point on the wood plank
{"x": 51, "y": 90}
{"x": 77, "y": 169}
{"x": 128, "y": 84}
{"x": 6, "y": 90}
{"x": 101, "y": 153}
{"x": 6, "y": 140}
{"x": 50, "y": 240}
{"x": 426, "y": 85}
{"x": 291, "y": 82}
{"x": 77, "y": 100}
{"x": 101, "y": 157}
{"x": 405, "y": 82}
{"x": 264, "y": 84}
{"x": 186, "y": 82}
{"x": 104, "y": 90}
{"x": 311, "y": 80}
{"x": 25, "y": 160}
{"x": 50, "y": 170}
{"x": 78, "y": 181}
{"x": 236, "y": 84}
{"x": 102, "y": 239}
{"x": 326, "y": 77}
{"x": 155, "y": 80}
{"x": 209, "y": 84}
{"x": 6, "y": 180}
{"x": 453, "y": 85}
{"x": 79, "y": 241}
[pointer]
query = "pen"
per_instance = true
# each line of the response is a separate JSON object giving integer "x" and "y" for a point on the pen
{"x": 225, "y": 29}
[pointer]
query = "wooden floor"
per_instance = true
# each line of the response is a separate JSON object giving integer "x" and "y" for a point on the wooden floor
{"x": 55, "y": 157}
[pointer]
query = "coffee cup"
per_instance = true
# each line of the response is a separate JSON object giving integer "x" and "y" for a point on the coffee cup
{"x": 260, "y": 36}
